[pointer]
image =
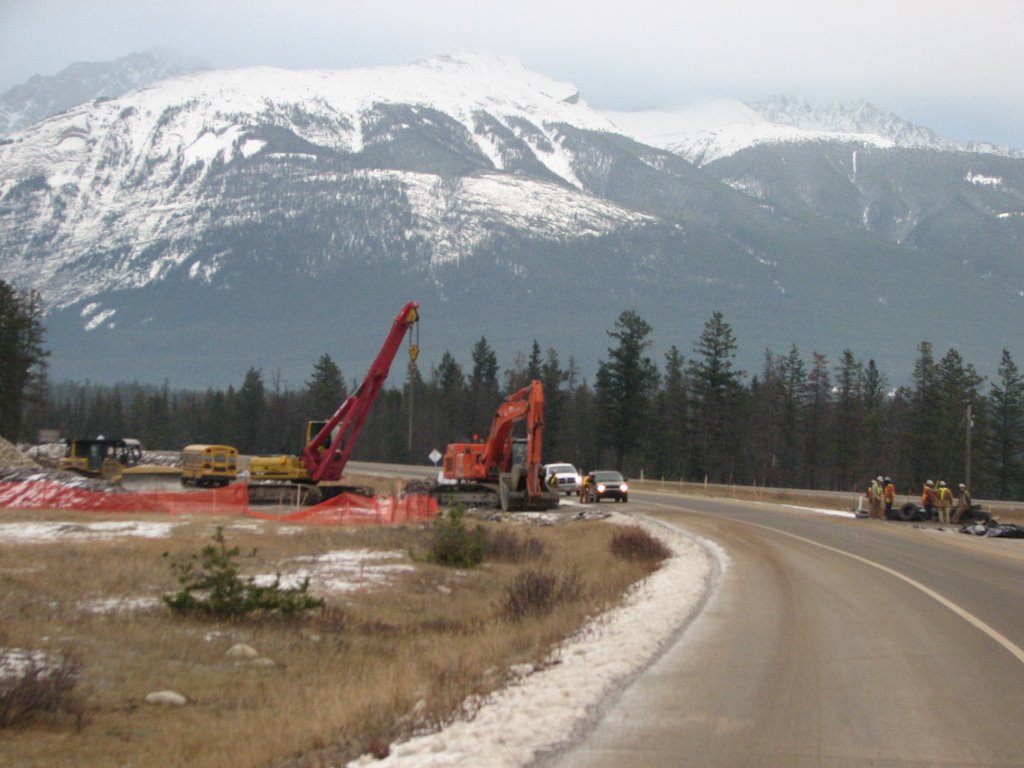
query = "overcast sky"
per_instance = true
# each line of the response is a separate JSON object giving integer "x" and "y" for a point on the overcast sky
{"x": 952, "y": 65}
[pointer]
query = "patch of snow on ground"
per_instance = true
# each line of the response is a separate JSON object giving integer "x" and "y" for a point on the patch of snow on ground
{"x": 108, "y": 605}
{"x": 38, "y": 532}
{"x": 15, "y": 663}
{"x": 833, "y": 512}
{"x": 341, "y": 571}
{"x": 540, "y": 711}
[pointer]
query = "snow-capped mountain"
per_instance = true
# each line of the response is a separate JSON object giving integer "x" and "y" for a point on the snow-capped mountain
{"x": 703, "y": 133}
{"x": 863, "y": 118}
{"x": 167, "y": 142}
{"x": 224, "y": 219}
{"x": 42, "y": 96}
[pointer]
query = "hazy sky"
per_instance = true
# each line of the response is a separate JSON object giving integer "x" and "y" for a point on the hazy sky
{"x": 952, "y": 65}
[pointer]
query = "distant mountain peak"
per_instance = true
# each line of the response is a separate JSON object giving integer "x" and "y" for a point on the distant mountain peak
{"x": 708, "y": 131}
{"x": 44, "y": 95}
{"x": 862, "y": 117}
{"x": 857, "y": 116}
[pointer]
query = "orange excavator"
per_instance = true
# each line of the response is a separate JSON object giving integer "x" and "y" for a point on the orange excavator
{"x": 503, "y": 471}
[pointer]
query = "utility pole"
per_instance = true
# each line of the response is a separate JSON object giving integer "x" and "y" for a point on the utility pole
{"x": 409, "y": 443}
{"x": 967, "y": 453}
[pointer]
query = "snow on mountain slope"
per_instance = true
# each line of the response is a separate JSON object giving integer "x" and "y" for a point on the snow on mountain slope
{"x": 41, "y": 96}
{"x": 545, "y": 209}
{"x": 324, "y": 107}
{"x": 861, "y": 117}
{"x": 118, "y": 176}
{"x": 706, "y": 132}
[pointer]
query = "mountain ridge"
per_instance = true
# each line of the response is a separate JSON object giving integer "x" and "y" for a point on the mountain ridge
{"x": 41, "y": 96}
{"x": 271, "y": 199}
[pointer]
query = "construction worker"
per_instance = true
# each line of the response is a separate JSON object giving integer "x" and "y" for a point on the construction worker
{"x": 888, "y": 497}
{"x": 928, "y": 499}
{"x": 943, "y": 500}
{"x": 963, "y": 504}
{"x": 875, "y": 498}
{"x": 584, "y": 488}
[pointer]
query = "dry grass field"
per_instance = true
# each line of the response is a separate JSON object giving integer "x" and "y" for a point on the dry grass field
{"x": 399, "y": 645}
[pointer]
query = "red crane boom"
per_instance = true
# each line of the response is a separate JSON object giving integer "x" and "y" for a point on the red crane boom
{"x": 327, "y": 452}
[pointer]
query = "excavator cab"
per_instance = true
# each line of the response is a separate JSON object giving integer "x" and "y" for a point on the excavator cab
{"x": 519, "y": 448}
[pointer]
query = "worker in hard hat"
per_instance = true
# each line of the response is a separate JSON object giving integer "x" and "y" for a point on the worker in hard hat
{"x": 943, "y": 501}
{"x": 928, "y": 499}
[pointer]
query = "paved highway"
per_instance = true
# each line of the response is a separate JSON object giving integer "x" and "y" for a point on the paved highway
{"x": 829, "y": 642}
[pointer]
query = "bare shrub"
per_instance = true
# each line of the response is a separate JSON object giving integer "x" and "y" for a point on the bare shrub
{"x": 507, "y": 547}
{"x": 39, "y": 685}
{"x": 570, "y": 587}
{"x": 538, "y": 592}
{"x": 636, "y": 544}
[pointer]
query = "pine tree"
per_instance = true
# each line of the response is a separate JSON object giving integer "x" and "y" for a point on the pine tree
{"x": 325, "y": 389}
{"x": 450, "y": 382}
{"x": 483, "y": 384}
{"x": 251, "y": 409}
{"x": 924, "y": 403}
{"x": 817, "y": 422}
{"x": 793, "y": 376}
{"x": 674, "y": 413}
{"x": 764, "y": 433}
{"x": 625, "y": 385}
{"x": 22, "y": 357}
{"x": 551, "y": 377}
{"x": 1006, "y": 417}
{"x": 847, "y": 437}
{"x": 717, "y": 402}
{"x": 957, "y": 386}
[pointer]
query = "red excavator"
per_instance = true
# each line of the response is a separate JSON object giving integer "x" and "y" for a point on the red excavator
{"x": 502, "y": 471}
{"x": 316, "y": 474}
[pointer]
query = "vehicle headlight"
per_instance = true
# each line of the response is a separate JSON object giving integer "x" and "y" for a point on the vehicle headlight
{"x": 623, "y": 487}
{"x": 601, "y": 487}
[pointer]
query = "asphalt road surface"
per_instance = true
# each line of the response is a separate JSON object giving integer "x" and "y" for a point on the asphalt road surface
{"x": 828, "y": 642}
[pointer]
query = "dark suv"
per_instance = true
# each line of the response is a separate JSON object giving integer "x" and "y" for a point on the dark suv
{"x": 605, "y": 484}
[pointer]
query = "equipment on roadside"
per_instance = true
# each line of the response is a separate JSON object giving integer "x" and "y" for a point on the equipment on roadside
{"x": 503, "y": 470}
{"x": 911, "y": 512}
{"x": 101, "y": 457}
{"x": 317, "y": 473}
{"x": 208, "y": 465}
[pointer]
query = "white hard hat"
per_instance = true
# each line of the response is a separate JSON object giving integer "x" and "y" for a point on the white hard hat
{"x": 929, "y": 483}
{"x": 879, "y": 478}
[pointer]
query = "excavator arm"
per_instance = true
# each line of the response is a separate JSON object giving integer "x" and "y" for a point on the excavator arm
{"x": 528, "y": 404}
{"x": 328, "y": 451}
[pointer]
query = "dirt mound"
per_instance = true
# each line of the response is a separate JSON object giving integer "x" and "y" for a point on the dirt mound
{"x": 10, "y": 456}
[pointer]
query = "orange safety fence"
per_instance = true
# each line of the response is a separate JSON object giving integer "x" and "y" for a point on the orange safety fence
{"x": 352, "y": 509}
{"x": 345, "y": 509}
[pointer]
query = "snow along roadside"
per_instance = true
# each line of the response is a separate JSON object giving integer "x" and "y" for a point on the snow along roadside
{"x": 543, "y": 709}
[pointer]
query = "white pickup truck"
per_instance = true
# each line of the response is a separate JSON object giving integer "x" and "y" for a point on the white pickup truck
{"x": 567, "y": 478}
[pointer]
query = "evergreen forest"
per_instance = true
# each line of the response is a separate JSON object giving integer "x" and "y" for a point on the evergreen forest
{"x": 798, "y": 422}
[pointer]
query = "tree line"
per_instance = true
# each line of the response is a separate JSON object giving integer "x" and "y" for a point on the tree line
{"x": 799, "y": 422}
{"x": 22, "y": 358}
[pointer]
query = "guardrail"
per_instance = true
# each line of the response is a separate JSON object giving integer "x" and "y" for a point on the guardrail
{"x": 842, "y": 500}
{"x": 1008, "y": 511}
